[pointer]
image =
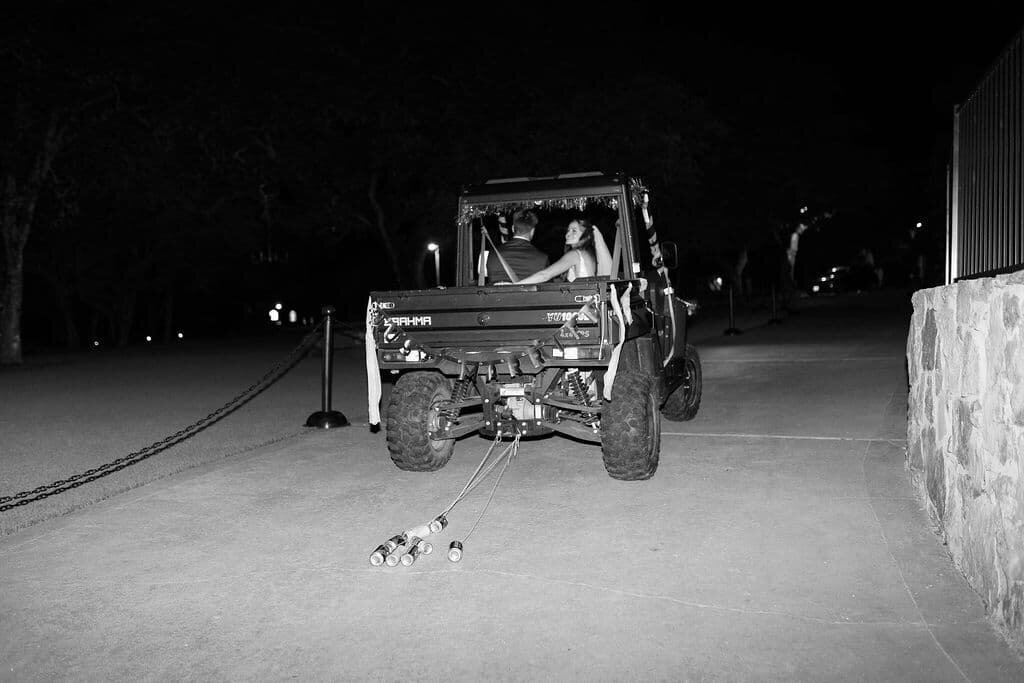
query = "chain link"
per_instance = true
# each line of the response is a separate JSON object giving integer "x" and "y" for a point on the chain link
{"x": 61, "y": 485}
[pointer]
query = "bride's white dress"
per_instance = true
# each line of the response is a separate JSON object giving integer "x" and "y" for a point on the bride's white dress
{"x": 584, "y": 269}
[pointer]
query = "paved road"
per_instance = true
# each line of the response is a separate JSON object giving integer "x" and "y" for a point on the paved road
{"x": 779, "y": 540}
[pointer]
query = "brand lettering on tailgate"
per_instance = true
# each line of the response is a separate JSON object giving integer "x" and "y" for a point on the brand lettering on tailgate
{"x": 409, "y": 320}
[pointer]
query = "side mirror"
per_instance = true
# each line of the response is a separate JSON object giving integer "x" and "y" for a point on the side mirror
{"x": 669, "y": 255}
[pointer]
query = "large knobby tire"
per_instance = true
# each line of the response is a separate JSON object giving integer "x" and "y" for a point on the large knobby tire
{"x": 684, "y": 402}
{"x": 631, "y": 426}
{"x": 412, "y": 413}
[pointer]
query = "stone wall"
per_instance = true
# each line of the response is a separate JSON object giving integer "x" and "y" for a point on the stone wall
{"x": 965, "y": 432}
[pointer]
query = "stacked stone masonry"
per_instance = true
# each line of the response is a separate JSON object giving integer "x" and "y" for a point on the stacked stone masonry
{"x": 965, "y": 432}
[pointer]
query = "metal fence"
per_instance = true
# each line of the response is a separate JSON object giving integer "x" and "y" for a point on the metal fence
{"x": 985, "y": 216}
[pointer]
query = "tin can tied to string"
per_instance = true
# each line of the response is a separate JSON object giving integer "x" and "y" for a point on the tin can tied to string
{"x": 414, "y": 552}
{"x": 438, "y": 525}
{"x": 385, "y": 549}
{"x": 455, "y": 551}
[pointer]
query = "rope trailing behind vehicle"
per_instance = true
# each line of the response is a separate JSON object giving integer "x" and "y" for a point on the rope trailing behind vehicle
{"x": 253, "y": 390}
{"x": 389, "y": 552}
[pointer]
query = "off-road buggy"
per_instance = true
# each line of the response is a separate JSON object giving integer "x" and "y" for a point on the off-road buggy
{"x": 600, "y": 359}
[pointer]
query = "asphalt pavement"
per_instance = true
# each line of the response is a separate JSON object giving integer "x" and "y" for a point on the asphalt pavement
{"x": 780, "y": 539}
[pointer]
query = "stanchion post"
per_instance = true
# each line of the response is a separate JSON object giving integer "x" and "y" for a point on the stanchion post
{"x": 732, "y": 330}
{"x": 325, "y": 418}
{"x": 775, "y": 319}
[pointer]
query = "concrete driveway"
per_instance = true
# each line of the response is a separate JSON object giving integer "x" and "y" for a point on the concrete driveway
{"x": 780, "y": 539}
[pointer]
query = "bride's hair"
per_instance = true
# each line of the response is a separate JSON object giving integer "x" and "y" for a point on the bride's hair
{"x": 586, "y": 241}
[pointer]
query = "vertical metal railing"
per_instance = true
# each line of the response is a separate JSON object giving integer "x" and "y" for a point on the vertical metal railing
{"x": 985, "y": 210}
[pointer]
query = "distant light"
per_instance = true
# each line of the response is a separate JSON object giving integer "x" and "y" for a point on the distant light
{"x": 824, "y": 279}
{"x": 432, "y": 246}
{"x": 835, "y": 270}
{"x": 149, "y": 338}
{"x": 815, "y": 288}
{"x": 181, "y": 335}
{"x": 95, "y": 343}
{"x": 919, "y": 224}
{"x": 278, "y": 306}
{"x": 293, "y": 316}
{"x": 803, "y": 209}
{"x": 274, "y": 315}
{"x": 718, "y": 281}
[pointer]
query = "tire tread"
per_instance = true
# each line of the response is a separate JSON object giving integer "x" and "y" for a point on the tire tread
{"x": 409, "y": 443}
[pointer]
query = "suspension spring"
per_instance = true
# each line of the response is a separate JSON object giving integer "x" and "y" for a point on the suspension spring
{"x": 459, "y": 393}
{"x": 578, "y": 392}
{"x": 576, "y": 388}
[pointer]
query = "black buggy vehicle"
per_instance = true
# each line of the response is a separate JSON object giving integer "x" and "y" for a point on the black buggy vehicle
{"x": 600, "y": 358}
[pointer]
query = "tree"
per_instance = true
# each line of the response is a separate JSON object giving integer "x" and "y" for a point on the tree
{"x": 54, "y": 257}
{"x": 48, "y": 100}
{"x": 36, "y": 147}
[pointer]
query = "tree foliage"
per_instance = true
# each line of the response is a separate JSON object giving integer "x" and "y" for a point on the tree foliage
{"x": 199, "y": 163}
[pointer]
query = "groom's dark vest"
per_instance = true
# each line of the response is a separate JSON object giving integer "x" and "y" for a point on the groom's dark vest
{"x": 521, "y": 256}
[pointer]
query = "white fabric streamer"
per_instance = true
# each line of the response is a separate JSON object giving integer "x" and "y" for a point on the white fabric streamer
{"x": 627, "y": 310}
{"x": 613, "y": 362}
{"x": 373, "y": 388}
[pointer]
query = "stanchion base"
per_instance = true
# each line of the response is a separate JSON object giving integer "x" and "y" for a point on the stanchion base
{"x": 327, "y": 420}
{"x": 732, "y": 331}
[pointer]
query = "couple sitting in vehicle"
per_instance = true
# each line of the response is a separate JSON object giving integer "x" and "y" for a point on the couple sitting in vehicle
{"x": 586, "y": 254}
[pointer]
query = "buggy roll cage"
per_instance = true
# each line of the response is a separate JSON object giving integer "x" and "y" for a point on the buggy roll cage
{"x": 568, "y": 191}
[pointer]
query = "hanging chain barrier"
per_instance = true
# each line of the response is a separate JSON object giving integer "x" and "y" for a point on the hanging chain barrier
{"x": 253, "y": 390}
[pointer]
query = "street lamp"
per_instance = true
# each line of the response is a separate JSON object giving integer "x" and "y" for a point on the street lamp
{"x": 437, "y": 261}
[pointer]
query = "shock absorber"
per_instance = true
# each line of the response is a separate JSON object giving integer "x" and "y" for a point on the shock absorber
{"x": 575, "y": 385}
{"x": 578, "y": 391}
{"x": 459, "y": 393}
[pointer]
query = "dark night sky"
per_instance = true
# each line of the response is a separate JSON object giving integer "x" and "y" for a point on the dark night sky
{"x": 881, "y": 79}
{"x": 895, "y": 74}
{"x": 899, "y": 75}
{"x": 855, "y": 101}
{"x": 889, "y": 79}
{"x": 894, "y": 77}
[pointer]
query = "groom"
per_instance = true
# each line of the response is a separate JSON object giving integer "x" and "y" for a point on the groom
{"x": 521, "y": 257}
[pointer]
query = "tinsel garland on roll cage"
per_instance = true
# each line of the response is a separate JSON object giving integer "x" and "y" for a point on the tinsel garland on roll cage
{"x": 638, "y": 192}
{"x": 470, "y": 211}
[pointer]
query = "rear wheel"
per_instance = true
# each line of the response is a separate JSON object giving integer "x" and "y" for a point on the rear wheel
{"x": 631, "y": 426}
{"x": 413, "y": 412}
{"x": 684, "y": 402}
